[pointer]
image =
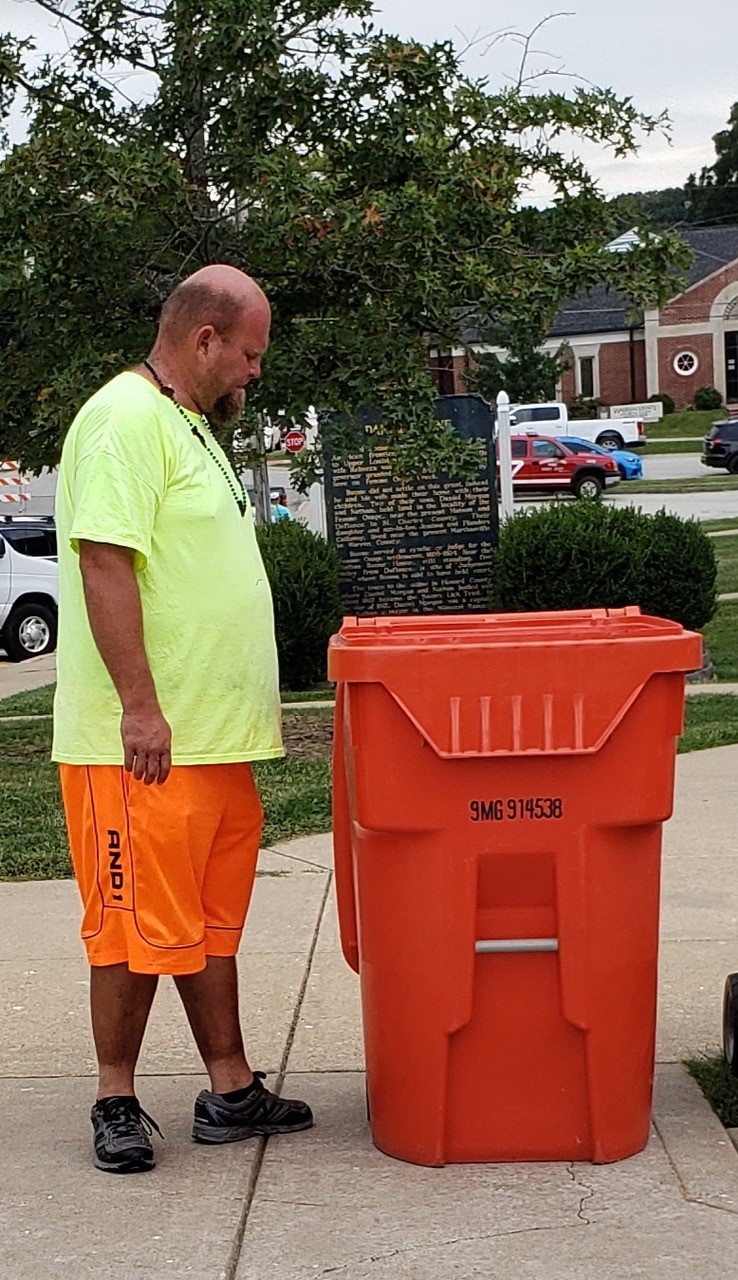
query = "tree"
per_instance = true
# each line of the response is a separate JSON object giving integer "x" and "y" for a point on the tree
{"x": 526, "y": 372}
{"x": 713, "y": 197}
{"x": 375, "y": 192}
{"x": 658, "y": 209}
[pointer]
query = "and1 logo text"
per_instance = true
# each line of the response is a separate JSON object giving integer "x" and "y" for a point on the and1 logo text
{"x": 116, "y": 870}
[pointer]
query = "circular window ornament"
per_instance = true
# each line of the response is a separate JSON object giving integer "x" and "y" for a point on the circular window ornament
{"x": 686, "y": 363}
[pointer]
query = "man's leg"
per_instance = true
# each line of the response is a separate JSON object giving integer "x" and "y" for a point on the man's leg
{"x": 210, "y": 999}
{"x": 237, "y": 1105}
{"x": 120, "y": 1003}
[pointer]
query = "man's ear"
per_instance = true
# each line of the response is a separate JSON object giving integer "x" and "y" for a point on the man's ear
{"x": 204, "y": 338}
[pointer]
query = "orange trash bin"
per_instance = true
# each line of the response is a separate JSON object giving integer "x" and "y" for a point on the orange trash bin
{"x": 499, "y": 787}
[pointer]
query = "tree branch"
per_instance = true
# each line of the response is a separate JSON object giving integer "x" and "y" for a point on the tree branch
{"x": 106, "y": 47}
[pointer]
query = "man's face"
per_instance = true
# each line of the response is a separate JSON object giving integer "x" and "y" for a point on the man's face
{"x": 230, "y": 363}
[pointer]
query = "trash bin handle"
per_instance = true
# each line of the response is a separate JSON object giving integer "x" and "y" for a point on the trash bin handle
{"x": 503, "y": 946}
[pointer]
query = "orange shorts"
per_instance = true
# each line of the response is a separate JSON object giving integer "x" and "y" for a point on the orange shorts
{"x": 165, "y": 873}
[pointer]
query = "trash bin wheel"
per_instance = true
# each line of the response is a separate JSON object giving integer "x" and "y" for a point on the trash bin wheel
{"x": 730, "y": 1022}
{"x": 368, "y": 1108}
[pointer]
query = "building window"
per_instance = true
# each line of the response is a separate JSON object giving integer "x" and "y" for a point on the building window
{"x": 685, "y": 363}
{"x": 445, "y": 374}
{"x": 587, "y": 376}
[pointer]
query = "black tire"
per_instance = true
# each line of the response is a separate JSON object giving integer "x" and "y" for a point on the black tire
{"x": 610, "y": 440}
{"x": 733, "y": 464}
{"x": 588, "y": 486}
{"x": 29, "y": 631}
{"x": 730, "y": 1022}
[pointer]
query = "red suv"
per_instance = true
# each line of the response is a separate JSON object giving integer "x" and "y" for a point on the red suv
{"x": 541, "y": 464}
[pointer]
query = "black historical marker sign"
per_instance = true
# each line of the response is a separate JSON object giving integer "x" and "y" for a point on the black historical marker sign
{"x": 421, "y": 546}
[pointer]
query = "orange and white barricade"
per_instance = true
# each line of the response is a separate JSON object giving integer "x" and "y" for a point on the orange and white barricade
{"x": 12, "y": 485}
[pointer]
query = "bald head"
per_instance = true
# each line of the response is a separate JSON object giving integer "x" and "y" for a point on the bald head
{"x": 213, "y": 333}
{"x": 218, "y": 296}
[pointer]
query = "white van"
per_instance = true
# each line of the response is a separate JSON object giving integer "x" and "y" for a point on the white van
{"x": 29, "y": 587}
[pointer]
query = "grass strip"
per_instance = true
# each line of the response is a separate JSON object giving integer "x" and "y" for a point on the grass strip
{"x": 721, "y": 638}
{"x": 710, "y": 721}
{"x": 719, "y": 526}
{"x": 690, "y": 422}
{"x": 726, "y": 554}
{"x": 719, "y": 1086}
{"x": 34, "y": 702}
{"x": 696, "y": 484}
{"x": 322, "y": 693}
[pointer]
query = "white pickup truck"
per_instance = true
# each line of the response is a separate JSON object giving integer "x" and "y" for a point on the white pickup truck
{"x": 29, "y": 587}
{"x": 552, "y": 419}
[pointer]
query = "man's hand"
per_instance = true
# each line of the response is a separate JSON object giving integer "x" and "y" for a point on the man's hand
{"x": 147, "y": 745}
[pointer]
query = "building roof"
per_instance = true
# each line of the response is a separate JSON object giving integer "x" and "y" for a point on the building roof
{"x": 604, "y": 310}
{"x": 600, "y": 311}
{"x": 714, "y": 247}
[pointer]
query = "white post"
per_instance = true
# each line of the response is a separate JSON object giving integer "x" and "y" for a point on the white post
{"x": 316, "y": 520}
{"x": 504, "y": 455}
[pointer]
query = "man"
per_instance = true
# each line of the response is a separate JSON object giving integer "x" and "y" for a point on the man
{"x": 167, "y": 689}
{"x": 279, "y": 510}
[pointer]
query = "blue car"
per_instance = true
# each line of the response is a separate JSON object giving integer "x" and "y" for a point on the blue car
{"x": 630, "y": 465}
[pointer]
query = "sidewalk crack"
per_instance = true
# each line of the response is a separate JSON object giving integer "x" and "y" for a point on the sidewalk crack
{"x": 231, "y": 1267}
{"x": 432, "y": 1246}
{"x": 572, "y": 1170}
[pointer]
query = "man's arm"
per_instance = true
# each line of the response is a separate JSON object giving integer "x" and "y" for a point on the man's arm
{"x": 114, "y": 609}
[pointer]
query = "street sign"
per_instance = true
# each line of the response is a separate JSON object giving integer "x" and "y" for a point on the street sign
{"x": 294, "y": 441}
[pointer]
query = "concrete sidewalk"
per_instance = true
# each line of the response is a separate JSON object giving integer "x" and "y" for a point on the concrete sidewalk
{"x": 326, "y": 1203}
{"x": 18, "y": 677}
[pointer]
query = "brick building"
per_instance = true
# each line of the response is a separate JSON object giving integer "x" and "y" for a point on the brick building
{"x": 622, "y": 356}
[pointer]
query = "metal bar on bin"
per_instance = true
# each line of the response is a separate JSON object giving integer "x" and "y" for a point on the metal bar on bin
{"x": 486, "y": 946}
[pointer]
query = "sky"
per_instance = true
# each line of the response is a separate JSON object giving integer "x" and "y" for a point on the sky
{"x": 674, "y": 55}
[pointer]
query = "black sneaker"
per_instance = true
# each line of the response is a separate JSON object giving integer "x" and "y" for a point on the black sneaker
{"x": 217, "y": 1120}
{"x": 121, "y": 1135}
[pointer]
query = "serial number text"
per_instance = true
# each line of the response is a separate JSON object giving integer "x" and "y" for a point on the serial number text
{"x": 542, "y": 807}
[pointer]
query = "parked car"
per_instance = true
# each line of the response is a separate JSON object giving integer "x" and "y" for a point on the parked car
{"x": 541, "y": 464}
{"x": 630, "y": 465}
{"x": 31, "y": 535}
{"x": 29, "y": 588}
{"x": 720, "y": 445}
{"x": 553, "y": 419}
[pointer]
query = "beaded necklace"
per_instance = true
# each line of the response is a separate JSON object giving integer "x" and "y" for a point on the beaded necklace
{"x": 168, "y": 392}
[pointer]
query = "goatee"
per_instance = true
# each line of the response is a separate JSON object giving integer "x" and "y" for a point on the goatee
{"x": 227, "y": 409}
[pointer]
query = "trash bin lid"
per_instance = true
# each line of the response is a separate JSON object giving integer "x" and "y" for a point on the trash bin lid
{"x": 514, "y": 684}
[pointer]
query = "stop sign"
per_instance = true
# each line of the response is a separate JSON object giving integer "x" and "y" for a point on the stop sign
{"x": 294, "y": 441}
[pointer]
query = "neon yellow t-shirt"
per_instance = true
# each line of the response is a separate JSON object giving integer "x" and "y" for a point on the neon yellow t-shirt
{"x": 133, "y": 474}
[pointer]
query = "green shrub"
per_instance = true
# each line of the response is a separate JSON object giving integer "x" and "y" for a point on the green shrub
{"x": 303, "y": 572}
{"x": 587, "y": 556}
{"x": 707, "y": 398}
{"x": 582, "y": 407}
{"x": 661, "y": 397}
